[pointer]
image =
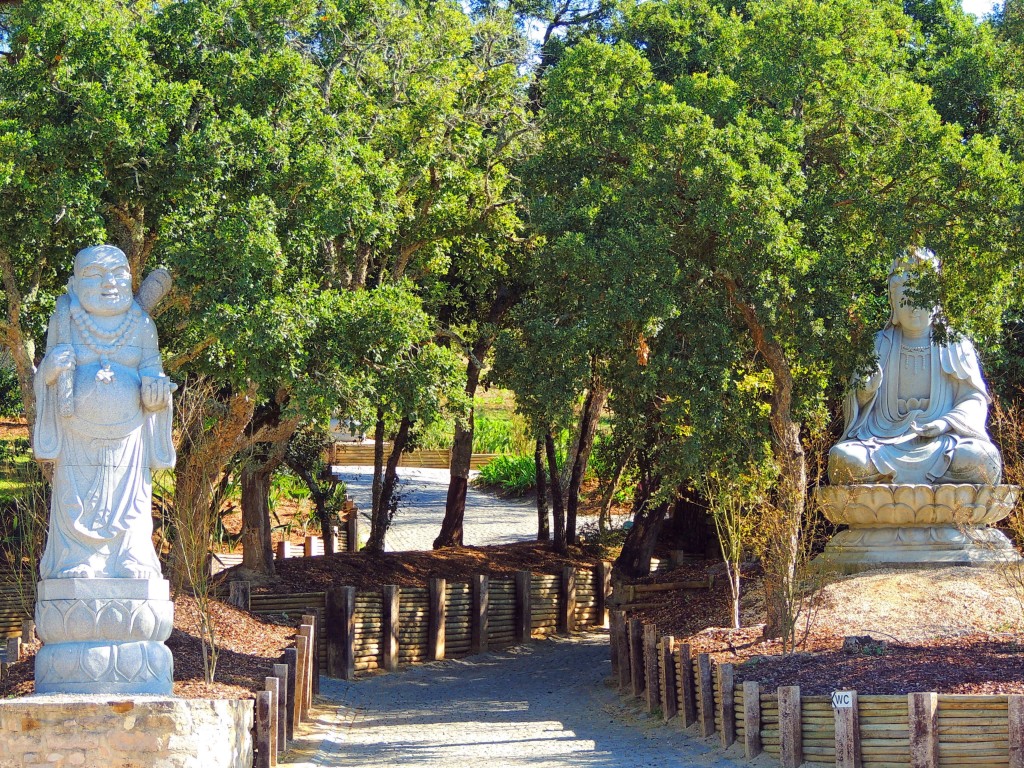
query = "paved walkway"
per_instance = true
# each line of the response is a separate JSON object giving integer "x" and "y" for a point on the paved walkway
{"x": 543, "y": 705}
{"x": 489, "y": 519}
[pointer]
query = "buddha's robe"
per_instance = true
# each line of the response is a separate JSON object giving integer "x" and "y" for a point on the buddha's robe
{"x": 879, "y": 428}
{"x": 101, "y": 510}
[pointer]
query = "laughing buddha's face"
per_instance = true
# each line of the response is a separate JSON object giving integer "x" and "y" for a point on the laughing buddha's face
{"x": 103, "y": 281}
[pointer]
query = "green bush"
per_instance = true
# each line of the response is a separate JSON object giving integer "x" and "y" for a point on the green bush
{"x": 512, "y": 474}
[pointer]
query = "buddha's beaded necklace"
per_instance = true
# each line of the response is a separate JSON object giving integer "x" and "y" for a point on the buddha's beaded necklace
{"x": 104, "y": 343}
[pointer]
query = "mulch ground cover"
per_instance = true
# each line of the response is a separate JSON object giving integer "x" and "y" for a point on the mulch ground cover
{"x": 364, "y": 570}
{"x": 971, "y": 663}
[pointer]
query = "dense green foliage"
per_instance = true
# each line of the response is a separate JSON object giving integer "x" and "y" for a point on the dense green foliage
{"x": 685, "y": 209}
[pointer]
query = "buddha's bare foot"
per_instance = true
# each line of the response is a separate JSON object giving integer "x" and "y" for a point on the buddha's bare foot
{"x": 78, "y": 572}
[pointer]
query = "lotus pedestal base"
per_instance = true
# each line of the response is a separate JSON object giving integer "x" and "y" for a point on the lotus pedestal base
{"x": 916, "y": 525}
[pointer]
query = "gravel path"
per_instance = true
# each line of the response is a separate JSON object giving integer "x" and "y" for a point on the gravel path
{"x": 489, "y": 519}
{"x": 542, "y": 705}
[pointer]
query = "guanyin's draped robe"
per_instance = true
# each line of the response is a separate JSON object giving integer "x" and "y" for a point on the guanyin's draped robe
{"x": 101, "y": 512}
{"x": 957, "y": 393}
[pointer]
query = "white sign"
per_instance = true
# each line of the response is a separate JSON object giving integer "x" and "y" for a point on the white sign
{"x": 842, "y": 699}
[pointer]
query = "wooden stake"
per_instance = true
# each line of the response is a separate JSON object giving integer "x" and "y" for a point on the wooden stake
{"x": 688, "y": 694}
{"x": 390, "y": 626}
{"x": 625, "y": 673}
{"x": 924, "y": 726}
{"x": 651, "y": 667}
{"x": 1015, "y": 714}
{"x": 751, "y": 719}
{"x": 312, "y": 617}
{"x": 286, "y": 674}
{"x": 847, "y": 720}
{"x": 567, "y": 601}
{"x": 341, "y": 632}
{"x": 479, "y": 629}
{"x": 436, "y": 619}
{"x": 667, "y": 664}
{"x": 301, "y": 676}
{"x": 524, "y": 617}
{"x": 272, "y": 686}
{"x": 706, "y": 692}
{"x": 636, "y": 657}
{"x": 727, "y": 704}
{"x": 602, "y": 590}
{"x": 263, "y": 730}
{"x": 790, "y": 729}
{"x": 238, "y": 594}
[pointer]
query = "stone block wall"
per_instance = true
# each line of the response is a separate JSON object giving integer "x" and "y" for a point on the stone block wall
{"x": 143, "y": 732}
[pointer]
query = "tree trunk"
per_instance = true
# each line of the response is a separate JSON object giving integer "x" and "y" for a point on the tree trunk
{"x": 320, "y": 496}
{"x": 543, "y": 526}
{"x": 604, "y": 516}
{"x": 257, "y": 549}
{"x": 556, "y": 494}
{"x": 376, "y": 517}
{"x": 383, "y": 511}
{"x": 634, "y": 561}
{"x": 784, "y": 548}
{"x": 462, "y": 456}
{"x": 592, "y": 407}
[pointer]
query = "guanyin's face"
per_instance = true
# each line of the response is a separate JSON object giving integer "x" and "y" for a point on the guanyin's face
{"x": 912, "y": 319}
{"x": 103, "y": 281}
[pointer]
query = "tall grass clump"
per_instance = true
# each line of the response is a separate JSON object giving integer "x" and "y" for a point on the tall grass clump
{"x": 511, "y": 474}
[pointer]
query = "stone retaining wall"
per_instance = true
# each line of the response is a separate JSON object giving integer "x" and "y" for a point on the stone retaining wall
{"x": 143, "y": 732}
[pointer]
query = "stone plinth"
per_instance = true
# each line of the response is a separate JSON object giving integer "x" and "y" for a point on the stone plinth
{"x": 917, "y": 525}
{"x": 142, "y": 732}
{"x": 104, "y": 636}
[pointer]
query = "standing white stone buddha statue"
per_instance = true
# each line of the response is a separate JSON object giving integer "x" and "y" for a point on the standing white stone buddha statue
{"x": 105, "y": 421}
{"x": 920, "y": 416}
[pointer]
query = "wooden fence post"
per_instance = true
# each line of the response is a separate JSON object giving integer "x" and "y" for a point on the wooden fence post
{"x": 284, "y": 550}
{"x": 625, "y": 675}
{"x": 651, "y": 667}
{"x": 341, "y": 632}
{"x": 308, "y": 545}
{"x": 28, "y": 630}
{"x": 790, "y": 730}
{"x": 602, "y": 590}
{"x": 436, "y": 619}
{"x": 284, "y": 720}
{"x": 669, "y": 687}
{"x": 1015, "y": 716}
{"x": 390, "y": 626}
{"x": 923, "y": 723}
{"x": 273, "y": 686}
{"x": 847, "y": 720}
{"x": 751, "y": 719}
{"x": 352, "y": 530}
{"x": 567, "y": 601}
{"x": 636, "y": 657}
{"x": 301, "y": 675}
{"x": 13, "y": 654}
{"x": 524, "y": 614}
{"x": 479, "y": 628}
{"x": 727, "y": 704}
{"x": 291, "y": 658}
{"x": 613, "y": 642}
{"x": 706, "y": 695}
{"x": 313, "y": 619}
{"x": 263, "y": 730}
{"x": 687, "y": 695}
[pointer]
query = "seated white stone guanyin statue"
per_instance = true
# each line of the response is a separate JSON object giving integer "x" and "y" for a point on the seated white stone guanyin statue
{"x": 920, "y": 417}
{"x": 104, "y": 419}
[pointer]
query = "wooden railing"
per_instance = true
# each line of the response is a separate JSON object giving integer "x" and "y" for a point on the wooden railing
{"x": 918, "y": 730}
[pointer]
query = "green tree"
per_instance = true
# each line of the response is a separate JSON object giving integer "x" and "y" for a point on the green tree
{"x": 767, "y": 161}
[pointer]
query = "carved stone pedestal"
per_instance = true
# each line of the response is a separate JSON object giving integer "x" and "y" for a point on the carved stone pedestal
{"x": 104, "y": 636}
{"x": 917, "y": 525}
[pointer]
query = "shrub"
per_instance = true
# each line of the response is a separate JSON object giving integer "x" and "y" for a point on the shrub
{"x": 512, "y": 474}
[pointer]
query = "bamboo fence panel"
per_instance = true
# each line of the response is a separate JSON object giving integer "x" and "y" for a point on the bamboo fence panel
{"x": 544, "y": 604}
{"x": 458, "y": 632}
{"x": 369, "y": 629}
{"x": 412, "y": 625}
{"x": 501, "y": 612}
{"x": 586, "y": 599}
